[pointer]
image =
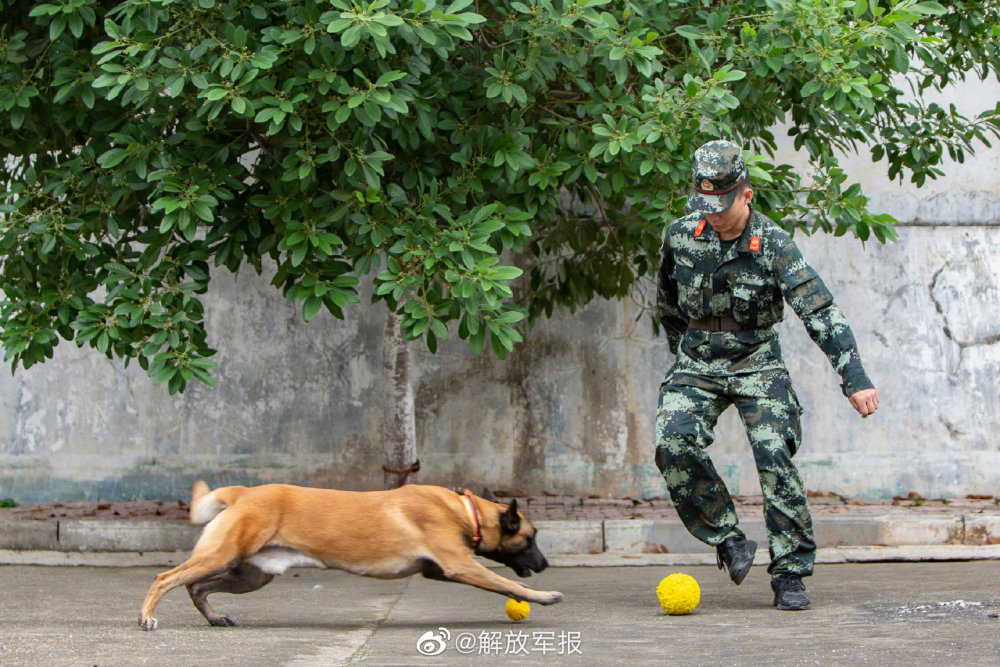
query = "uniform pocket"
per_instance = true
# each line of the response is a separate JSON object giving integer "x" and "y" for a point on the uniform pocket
{"x": 690, "y": 296}
{"x": 753, "y": 302}
{"x": 794, "y": 437}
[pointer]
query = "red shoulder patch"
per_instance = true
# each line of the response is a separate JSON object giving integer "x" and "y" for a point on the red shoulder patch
{"x": 699, "y": 229}
{"x": 755, "y": 244}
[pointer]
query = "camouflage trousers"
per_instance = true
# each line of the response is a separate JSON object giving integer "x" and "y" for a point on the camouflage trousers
{"x": 690, "y": 406}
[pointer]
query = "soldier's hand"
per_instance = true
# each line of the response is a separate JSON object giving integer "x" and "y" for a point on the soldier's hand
{"x": 865, "y": 401}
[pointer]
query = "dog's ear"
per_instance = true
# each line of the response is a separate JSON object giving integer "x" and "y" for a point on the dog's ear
{"x": 510, "y": 521}
{"x": 488, "y": 495}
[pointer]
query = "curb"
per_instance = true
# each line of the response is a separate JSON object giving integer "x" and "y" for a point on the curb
{"x": 666, "y": 536}
{"x": 98, "y": 535}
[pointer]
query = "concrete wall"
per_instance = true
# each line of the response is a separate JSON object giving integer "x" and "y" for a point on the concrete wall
{"x": 571, "y": 411}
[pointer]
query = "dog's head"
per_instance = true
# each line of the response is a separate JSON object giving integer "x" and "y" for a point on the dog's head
{"x": 512, "y": 538}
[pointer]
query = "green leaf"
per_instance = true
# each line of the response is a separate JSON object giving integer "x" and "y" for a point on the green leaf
{"x": 477, "y": 341}
{"x": 310, "y": 307}
{"x": 726, "y": 76}
{"x": 811, "y": 87}
{"x": 439, "y": 329}
{"x": 506, "y": 272}
{"x": 113, "y": 157}
{"x": 350, "y": 37}
{"x": 164, "y": 374}
{"x": 689, "y": 32}
{"x": 299, "y": 254}
{"x": 929, "y": 8}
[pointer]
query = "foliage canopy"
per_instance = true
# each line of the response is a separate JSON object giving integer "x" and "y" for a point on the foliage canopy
{"x": 149, "y": 143}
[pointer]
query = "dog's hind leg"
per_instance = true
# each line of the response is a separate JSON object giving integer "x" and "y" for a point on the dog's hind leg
{"x": 244, "y": 578}
{"x": 221, "y": 547}
{"x": 196, "y": 568}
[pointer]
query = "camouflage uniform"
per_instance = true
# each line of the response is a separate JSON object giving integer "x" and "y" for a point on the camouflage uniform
{"x": 744, "y": 286}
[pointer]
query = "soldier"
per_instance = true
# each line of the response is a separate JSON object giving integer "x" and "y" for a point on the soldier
{"x": 725, "y": 274}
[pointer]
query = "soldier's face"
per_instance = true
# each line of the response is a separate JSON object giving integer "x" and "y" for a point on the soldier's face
{"x": 730, "y": 223}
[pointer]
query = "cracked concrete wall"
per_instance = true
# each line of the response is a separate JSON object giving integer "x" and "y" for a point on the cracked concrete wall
{"x": 924, "y": 311}
{"x": 293, "y": 403}
{"x": 572, "y": 409}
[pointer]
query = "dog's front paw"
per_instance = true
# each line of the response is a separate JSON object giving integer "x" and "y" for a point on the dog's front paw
{"x": 549, "y": 597}
{"x": 222, "y": 621}
{"x": 148, "y": 623}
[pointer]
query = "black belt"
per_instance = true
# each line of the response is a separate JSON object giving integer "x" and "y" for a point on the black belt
{"x": 724, "y": 323}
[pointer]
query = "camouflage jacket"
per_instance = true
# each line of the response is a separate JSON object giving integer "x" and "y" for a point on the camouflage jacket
{"x": 750, "y": 283}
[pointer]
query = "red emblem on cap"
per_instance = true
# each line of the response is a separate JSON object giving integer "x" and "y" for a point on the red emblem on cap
{"x": 699, "y": 229}
{"x": 755, "y": 243}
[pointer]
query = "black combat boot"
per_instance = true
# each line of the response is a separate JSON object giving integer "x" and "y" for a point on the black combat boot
{"x": 736, "y": 555}
{"x": 789, "y": 593}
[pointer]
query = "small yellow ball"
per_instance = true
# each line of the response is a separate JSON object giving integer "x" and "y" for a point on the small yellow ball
{"x": 679, "y": 594}
{"x": 517, "y": 611}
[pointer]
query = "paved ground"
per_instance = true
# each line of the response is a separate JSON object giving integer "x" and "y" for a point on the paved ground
{"x": 942, "y": 613}
{"x": 875, "y": 601}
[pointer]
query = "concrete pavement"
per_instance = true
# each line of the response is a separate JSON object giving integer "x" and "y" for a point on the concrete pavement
{"x": 915, "y": 583}
{"x": 940, "y": 613}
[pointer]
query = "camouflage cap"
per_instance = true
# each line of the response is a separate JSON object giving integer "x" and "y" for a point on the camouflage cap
{"x": 717, "y": 171}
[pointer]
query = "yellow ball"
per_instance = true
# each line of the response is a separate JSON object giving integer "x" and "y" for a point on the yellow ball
{"x": 679, "y": 594}
{"x": 517, "y": 611}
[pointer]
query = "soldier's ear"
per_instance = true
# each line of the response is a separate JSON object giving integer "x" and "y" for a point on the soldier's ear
{"x": 510, "y": 521}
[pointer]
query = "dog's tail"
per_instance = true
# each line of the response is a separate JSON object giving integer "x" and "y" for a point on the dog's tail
{"x": 205, "y": 504}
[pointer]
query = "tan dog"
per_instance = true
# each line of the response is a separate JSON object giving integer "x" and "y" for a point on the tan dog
{"x": 255, "y": 533}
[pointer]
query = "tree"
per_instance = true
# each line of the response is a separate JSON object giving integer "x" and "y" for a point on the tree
{"x": 149, "y": 143}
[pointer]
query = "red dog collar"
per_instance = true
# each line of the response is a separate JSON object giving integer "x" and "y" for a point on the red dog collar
{"x": 471, "y": 506}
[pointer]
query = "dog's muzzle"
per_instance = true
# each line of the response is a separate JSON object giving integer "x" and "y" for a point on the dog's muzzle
{"x": 526, "y": 563}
